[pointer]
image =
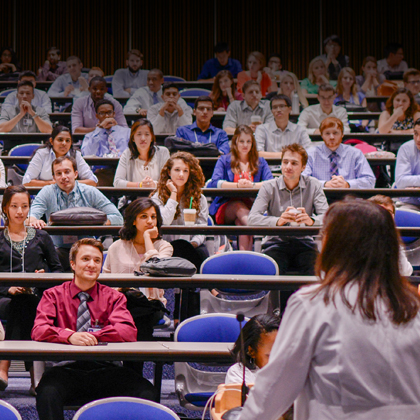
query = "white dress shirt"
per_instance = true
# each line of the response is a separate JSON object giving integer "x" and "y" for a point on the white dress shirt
{"x": 271, "y": 138}
{"x": 312, "y": 116}
{"x": 170, "y": 122}
{"x": 142, "y": 99}
{"x": 337, "y": 365}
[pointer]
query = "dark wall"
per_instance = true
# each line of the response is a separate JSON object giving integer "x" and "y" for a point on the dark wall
{"x": 178, "y": 36}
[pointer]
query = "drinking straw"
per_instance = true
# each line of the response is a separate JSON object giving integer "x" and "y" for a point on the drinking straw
{"x": 191, "y": 203}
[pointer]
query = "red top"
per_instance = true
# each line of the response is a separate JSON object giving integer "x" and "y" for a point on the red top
{"x": 265, "y": 83}
{"x": 57, "y": 311}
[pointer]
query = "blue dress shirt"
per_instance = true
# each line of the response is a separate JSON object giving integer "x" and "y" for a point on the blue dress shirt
{"x": 223, "y": 172}
{"x": 407, "y": 170}
{"x": 217, "y": 136}
{"x": 212, "y": 67}
{"x": 352, "y": 166}
{"x": 51, "y": 198}
{"x": 96, "y": 143}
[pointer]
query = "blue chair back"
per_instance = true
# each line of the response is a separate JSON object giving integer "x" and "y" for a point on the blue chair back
{"x": 8, "y": 412}
{"x": 126, "y": 408}
{"x": 404, "y": 218}
{"x": 194, "y": 92}
{"x": 109, "y": 80}
{"x": 240, "y": 262}
{"x": 4, "y": 93}
{"x": 169, "y": 78}
{"x": 24, "y": 150}
{"x": 209, "y": 328}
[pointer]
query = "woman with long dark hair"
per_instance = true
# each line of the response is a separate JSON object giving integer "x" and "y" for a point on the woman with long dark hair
{"x": 241, "y": 168}
{"x": 39, "y": 174}
{"x": 348, "y": 347}
{"x": 140, "y": 164}
{"x": 22, "y": 249}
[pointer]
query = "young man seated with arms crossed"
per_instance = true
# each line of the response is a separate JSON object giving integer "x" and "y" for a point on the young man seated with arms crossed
{"x": 271, "y": 137}
{"x": 248, "y": 110}
{"x": 202, "y": 131}
{"x": 172, "y": 113}
{"x": 312, "y": 116}
{"x": 83, "y": 312}
{"x": 335, "y": 164}
{"x": 66, "y": 193}
{"x": 144, "y": 97}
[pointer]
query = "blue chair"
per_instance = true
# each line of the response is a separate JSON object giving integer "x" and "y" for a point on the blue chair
{"x": 193, "y": 386}
{"x": 169, "y": 78}
{"x": 124, "y": 408}
{"x": 15, "y": 175}
{"x": 194, "y": 92}
{"x": 237, "y": 262}
{"x": 8, "y": 412}
{"x": 4, "y": 93}
{"x": 410, "y": 218}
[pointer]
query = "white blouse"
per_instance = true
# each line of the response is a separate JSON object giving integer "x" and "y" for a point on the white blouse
{"x": 338, "y": 365}
{"x": 123, "y": 258}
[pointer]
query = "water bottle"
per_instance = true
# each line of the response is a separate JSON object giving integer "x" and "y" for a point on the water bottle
{"x": 295, "y": 103}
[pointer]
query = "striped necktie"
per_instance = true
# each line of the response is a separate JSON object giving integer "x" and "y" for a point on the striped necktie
{"x": 83, "y": 314}
{"x": 333, "y": 163}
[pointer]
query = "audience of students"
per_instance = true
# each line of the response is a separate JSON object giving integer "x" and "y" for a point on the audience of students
{"x": 312, "y": 116}
{"x": 411, "y": 79}
{"x": 221, "y": 61}
{"x": 68, "y": 84}
{"x": 241, "y": 168}
{"x": 24, "y": 117}
{"x": 334, "y": 60}
{"x": 271, "y": 137}
{"x": 317, "y": 76}
{"x": 22, "y": 249}
{"x": 370, "y": 79}
{"x": 126, "y": 81}
{"x": 179, "y": 188}
{"x": 256, "y": 71}
{"x": 83, "y": 113}
{"x": 393, "y": 61}
{"x": 141, "y": 163}
{"x": 144, "y": 97}
{"x": 170, "y": 114}
{"x": 224, "y": 92}
{"x": 40, "y": 100}
{"x": 53, "y": 66}
{"x": 400, "y": 114}
{"x": 202, "y": 131}
{"x": 335, "y": 164}
{"x": 39, "y": 174}
{"x": 250, "y": 111}
{"x": 9, "y": 64}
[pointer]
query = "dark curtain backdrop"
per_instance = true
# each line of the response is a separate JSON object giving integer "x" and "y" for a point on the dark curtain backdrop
{"x": 178, "y": 36}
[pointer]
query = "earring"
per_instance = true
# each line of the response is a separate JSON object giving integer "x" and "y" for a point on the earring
{"x": 252, "y": 361}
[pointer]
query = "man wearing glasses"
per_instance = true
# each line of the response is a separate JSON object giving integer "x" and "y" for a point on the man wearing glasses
{"x": 84, "y": 118}
{"x": 411, "y": 81}
{"x": 312, "y": 116}
{"x": 271, "y": 137}
{"x": 202, "y": 131}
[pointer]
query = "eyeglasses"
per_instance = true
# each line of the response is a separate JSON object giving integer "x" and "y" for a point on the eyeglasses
{"x": 328, "y": 98}
{"x": 106, "y": 114}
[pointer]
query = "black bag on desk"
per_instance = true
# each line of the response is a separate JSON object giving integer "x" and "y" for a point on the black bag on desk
{"x": 176, "y": 144}
{"x": 168, "y": 267}
{"x": 78, "y": 216}
{"x": 349, "y": 107}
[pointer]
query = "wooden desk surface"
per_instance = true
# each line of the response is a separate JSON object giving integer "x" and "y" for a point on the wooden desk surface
{"x": 143, "y": 350}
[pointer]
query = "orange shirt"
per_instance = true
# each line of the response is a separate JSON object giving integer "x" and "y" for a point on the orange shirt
{"x": 243, "y": 77}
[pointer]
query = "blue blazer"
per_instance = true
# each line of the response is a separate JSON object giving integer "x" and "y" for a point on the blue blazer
{"x": 223, "y": 171}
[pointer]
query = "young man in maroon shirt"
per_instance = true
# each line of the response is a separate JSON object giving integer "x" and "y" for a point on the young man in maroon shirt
{"x": 83, "y": 313}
